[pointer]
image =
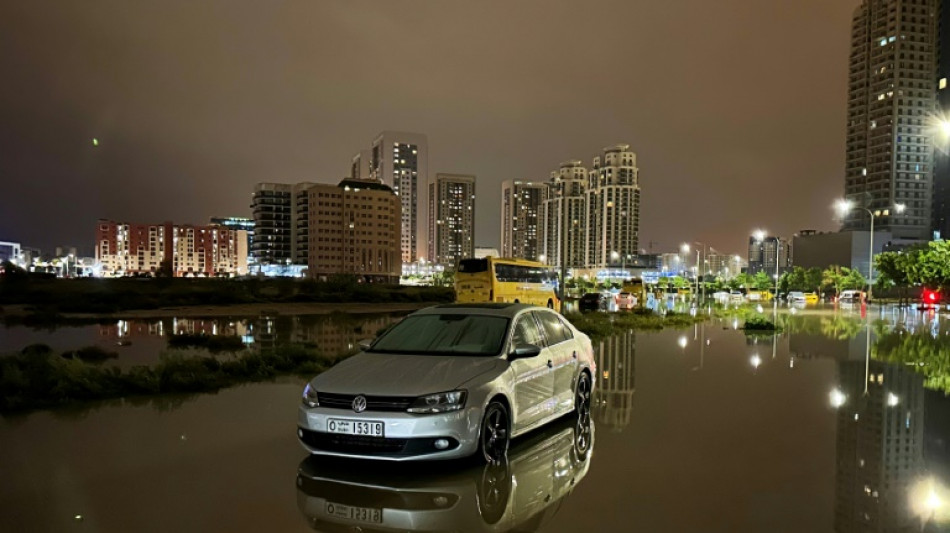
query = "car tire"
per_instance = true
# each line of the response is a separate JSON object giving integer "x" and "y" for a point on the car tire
{"x": 550, "y": 304}
{"x": 582, "y": 398}
{"x": 494, "y": 434}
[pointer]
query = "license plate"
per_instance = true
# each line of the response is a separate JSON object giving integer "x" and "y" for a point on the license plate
{"x": 367, "y": 428}
{"x": 358, "y": 514}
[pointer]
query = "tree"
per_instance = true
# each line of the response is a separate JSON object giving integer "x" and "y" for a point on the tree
{"x": 853, "y": 279}
{"x": 812, "y": 281}
{"x": 762, "y": 281}
{"x": 165, "y": 269}
{"x": 833, "y": 277}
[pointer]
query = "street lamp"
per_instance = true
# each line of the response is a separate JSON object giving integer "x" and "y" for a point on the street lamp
{"x": 760, "y": 238}
{"x": 685, "y": 249}
{"x": 843, "y": 207}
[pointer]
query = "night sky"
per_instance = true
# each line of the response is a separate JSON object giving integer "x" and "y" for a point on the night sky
{"x": 736, "y": 108}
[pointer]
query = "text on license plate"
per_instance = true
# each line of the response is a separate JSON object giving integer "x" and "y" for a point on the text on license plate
{"x": 349, "y": 512}
{"x": 368, "y": 428}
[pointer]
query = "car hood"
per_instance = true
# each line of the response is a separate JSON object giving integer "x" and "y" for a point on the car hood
{"x": 402, "y": 375}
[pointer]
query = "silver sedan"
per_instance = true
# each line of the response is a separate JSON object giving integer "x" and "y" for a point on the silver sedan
{"x": 450, "y": 381}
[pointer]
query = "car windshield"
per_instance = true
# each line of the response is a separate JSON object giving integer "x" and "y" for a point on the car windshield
{"x": 444, "y": 334}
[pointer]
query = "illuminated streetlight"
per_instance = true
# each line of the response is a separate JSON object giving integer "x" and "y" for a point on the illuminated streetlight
{"x": 837, "y": 398}
{"x": 843, "y": 207}
{"x": 892, "y": 399}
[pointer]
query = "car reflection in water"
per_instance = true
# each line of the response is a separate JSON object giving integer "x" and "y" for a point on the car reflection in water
{"x": 523, "y": 493}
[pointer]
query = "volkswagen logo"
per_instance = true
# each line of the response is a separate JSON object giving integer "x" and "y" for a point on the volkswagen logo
{"x": 359, "y": 403}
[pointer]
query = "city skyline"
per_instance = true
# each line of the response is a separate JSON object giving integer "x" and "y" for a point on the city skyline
{"x": 191, "y": 115}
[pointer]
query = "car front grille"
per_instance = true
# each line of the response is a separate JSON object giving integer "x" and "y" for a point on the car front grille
{"x": 373, "y": 403}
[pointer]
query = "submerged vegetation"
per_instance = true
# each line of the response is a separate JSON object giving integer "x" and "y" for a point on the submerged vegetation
{"x": 600, "y": 325}
{"x": 37, "y": 377}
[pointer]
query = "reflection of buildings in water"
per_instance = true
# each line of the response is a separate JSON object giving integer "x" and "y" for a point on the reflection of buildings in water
{"x": 879, "y": 447}
{"x": 808, "y": 346}
{"x": 131, "y": 329}
{"x": 522, "y": 494}
{"x": 332, "y": 334}
{"x": 616, "y": 381}
{"x": 338, "y": 334}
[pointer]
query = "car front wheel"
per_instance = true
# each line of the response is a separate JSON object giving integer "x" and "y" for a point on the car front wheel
{"x": 494, "y": 433}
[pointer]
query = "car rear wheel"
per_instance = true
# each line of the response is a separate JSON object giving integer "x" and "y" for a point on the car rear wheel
{"x": 550, "y": 304}
{"x": 494, "y": 433}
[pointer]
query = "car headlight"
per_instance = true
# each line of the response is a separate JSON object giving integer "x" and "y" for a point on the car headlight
{"x": 442, "y": 402}
{"x": 310, "y": 396}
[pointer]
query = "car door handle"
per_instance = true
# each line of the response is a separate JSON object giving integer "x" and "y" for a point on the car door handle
{"x": 550, "y": 364}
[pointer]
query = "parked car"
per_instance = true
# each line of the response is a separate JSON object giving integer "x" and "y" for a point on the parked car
{"x": 450, "y": 381}
{"x": 811, "y": 298}
{"x": 851, "y": 296}
{"x": 594, "y": 301}
{"x": 626, "y": 301}
{"x": 796, "y": 297}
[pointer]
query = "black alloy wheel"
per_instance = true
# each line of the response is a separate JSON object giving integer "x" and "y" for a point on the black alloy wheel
{"x": 582, "y": 399}
{"x": 494, "y": 434}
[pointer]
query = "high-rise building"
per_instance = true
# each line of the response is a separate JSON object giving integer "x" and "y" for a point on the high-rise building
{"x": 400, "y": 160}
{"x": 280, "y": 223}
{"x": 941, "y": 197}
{"x": 565, "y": 216}
{"x": 613, "y": 204}
{"x": 361, "y": 165}
{"x": 762, "y": 255}
{"x": 354, "y": 229}
{"x": 124, "y": 249}
{"x": 236, "y": 223}
{"x": 891, "y": 101}
{"x": 451, "y": 218}
{"x": 522, "y": 231}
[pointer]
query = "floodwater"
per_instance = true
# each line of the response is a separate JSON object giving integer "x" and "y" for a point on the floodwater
{"x": 142, "y": 342}
{"x": 702, "y": 429}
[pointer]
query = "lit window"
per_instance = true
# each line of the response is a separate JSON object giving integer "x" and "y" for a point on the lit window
{"x": 943, "y": 83}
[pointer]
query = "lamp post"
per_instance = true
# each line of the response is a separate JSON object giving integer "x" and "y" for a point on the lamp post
{"x": 685, "y": 249}
{"x": 760, "y": 237}
{"x": 844, "y": 207}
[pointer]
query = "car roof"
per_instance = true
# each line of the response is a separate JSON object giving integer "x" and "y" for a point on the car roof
{"x": 509, "y": 310}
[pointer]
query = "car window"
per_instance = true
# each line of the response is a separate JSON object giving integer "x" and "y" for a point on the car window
{"x": 444, "y": 334}
{"x": 526, "y": 332}
{"x": 568, "y": 332}
{"x": 553, "y": 328}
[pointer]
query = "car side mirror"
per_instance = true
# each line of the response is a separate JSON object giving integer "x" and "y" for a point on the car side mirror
{"x": 365, "y": 344}
{"x": 523, "y": 351}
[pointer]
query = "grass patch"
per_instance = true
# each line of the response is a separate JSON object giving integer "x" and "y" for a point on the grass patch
{"x": 759, "y": 324}
{"x": 601, "y": 325}
{"x": 38, "y": 378}
{"x": 212, "y": 343}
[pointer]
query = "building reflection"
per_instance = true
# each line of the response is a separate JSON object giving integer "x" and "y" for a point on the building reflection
{"x": 616, "y": 381}
{"x": 332, "y": 334}
{"x": 879, "y": 448}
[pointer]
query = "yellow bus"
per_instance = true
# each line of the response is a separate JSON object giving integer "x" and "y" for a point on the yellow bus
{"x": 495, "y": 279}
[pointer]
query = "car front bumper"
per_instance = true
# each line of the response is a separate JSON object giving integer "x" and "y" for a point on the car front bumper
{"x": 405, "y": 437}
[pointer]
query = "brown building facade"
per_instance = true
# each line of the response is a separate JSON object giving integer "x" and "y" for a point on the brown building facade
{"x": 355, "y": 229}
{"x": 139, "y": 249}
